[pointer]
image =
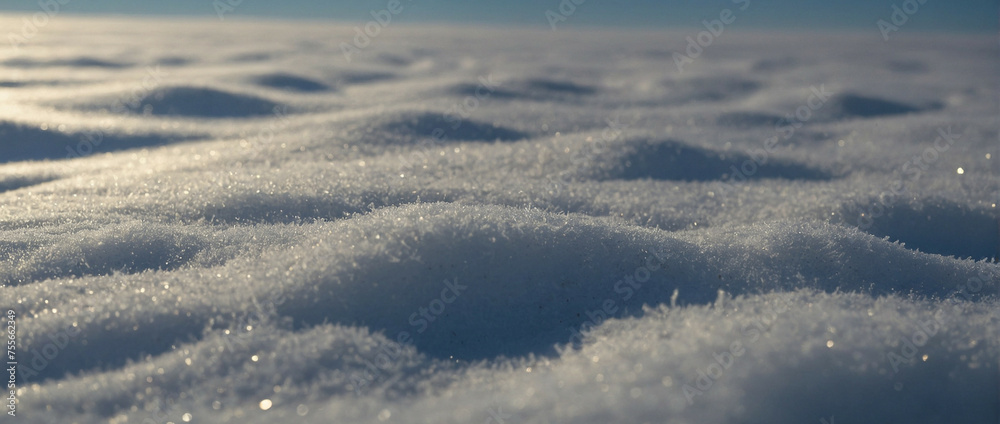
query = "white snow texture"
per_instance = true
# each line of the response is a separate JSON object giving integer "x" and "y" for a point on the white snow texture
{"x": 206, "y": 222}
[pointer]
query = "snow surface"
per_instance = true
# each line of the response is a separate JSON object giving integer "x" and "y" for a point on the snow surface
{"x": 206, "y": 222}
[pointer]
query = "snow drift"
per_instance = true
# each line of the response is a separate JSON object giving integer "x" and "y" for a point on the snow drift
{"x": 498, "y": 227}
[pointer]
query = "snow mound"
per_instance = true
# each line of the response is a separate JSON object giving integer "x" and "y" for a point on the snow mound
{"x": 201, "y": 102}
{"x": 850, "y": 106}
{"x": 290, "y": 82}
{"x": 20, "y": 141}
{"x": 499, "y": 226}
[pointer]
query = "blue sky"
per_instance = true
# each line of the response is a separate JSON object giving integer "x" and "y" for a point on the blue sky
{"x": 933, "y": 15}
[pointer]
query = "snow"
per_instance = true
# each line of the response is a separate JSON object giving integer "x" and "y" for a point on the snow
{"x": 231, "y": 223}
